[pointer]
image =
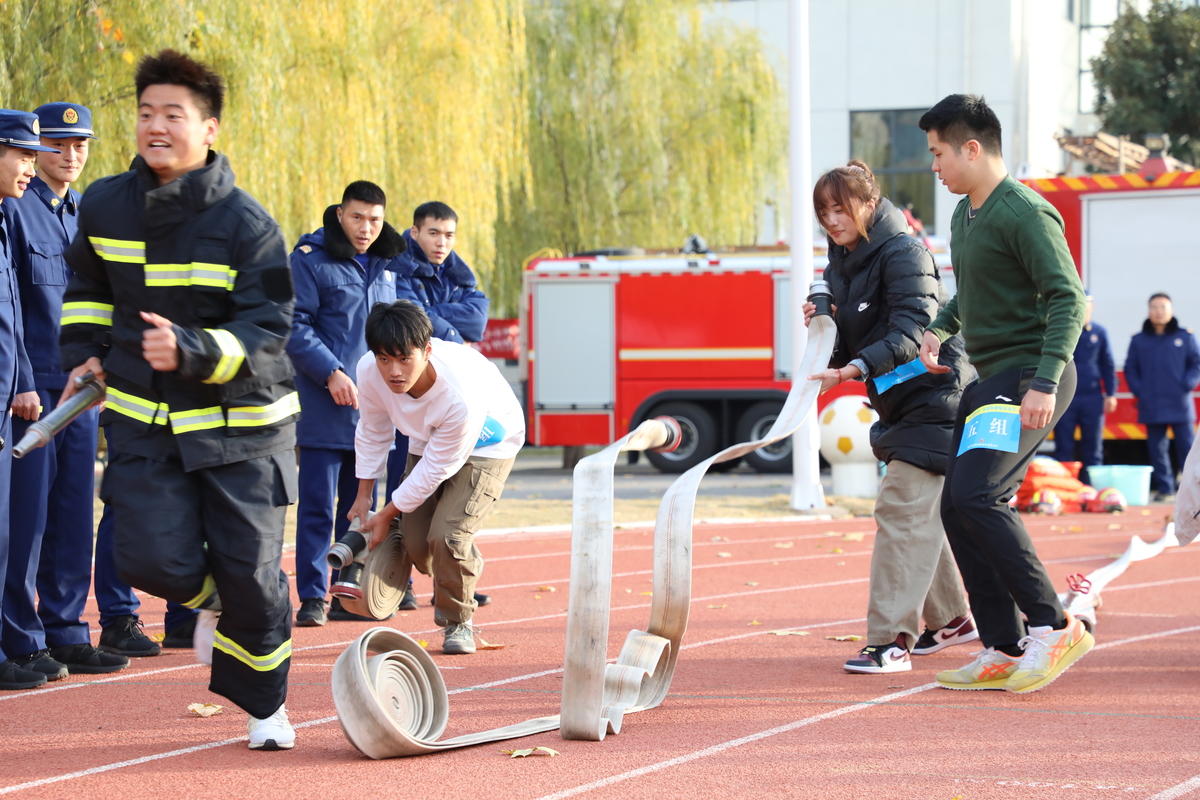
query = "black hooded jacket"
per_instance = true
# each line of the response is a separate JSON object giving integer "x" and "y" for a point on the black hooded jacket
{"x": 887, "y": 290}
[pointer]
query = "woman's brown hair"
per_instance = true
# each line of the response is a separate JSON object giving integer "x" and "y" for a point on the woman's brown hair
{"x": 853, "y": 188}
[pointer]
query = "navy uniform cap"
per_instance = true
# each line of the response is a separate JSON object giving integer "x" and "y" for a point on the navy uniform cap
{"x": 65, "y": 120}
{"x": 21, "y": 129}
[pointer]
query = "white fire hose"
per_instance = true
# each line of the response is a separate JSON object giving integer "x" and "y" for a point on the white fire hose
{"x": 390, "y": 697}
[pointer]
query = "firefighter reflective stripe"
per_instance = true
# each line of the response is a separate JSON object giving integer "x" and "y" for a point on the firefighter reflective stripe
{"x": 134, "y": 407}
{"x": 119, "y": 250}
{"x": 261, "y": 663}
{"x": 209, "y": 588}
{"x": 232, "y": 355}
{"x": 251, "y": 416}
{"x": 93, "y": 313}
{"x": 218, "y": 276}
{"x": 197, "y": 419}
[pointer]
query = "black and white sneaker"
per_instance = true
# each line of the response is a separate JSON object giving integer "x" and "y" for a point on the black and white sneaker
{"x": 959, "y": 630}
{"x": 878, "y": 658}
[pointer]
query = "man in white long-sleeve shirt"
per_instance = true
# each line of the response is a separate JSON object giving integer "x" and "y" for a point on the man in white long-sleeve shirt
{"x": 465, "y": 427}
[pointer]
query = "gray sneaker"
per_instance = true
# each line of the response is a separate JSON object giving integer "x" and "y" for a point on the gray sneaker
{"x": 459, "y": 639}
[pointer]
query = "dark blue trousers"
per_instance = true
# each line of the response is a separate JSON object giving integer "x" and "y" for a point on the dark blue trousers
{"x": 1163, "y": 479}
{"x": 397, "y": 463}
{"x": 1087, "y": 414}
{"x": 328, "y": 487}
{"x": 114, "y": 596}
{"x": 5, "y": 482}
{"x": 50, "y": 538}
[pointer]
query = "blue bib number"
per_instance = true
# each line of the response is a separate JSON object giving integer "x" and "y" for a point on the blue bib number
{"x": 493, "y": 433}
{"x": 992, "y": 427}
{"x": 902, "y": 373}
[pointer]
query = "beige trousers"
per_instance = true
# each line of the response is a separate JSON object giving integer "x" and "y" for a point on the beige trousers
{"x": 439, "y": 535}
{"x": 913, "y": 573}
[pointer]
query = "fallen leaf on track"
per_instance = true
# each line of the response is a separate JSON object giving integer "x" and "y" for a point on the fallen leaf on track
{"x": 537, "y": 597}
{"x": 205, "y": 709}
{"x": 424, "y": 644}
{"x": 853, "y": 537}
{"x": 650, "y": 594}
{"x": 158, "y": 637}
{"x": 837, "y": 550}
{"x": 1114, "y": 526}
{"x": 629, "y": 591}
{"x": 720, "y": 539}
{"x": 530, "y": 751}
{"x": 1075, "y": 528}
{"x": 547, "y": 589}
{"x": 790, "y": 633}
{"x": 724, "y": 555}
{"x": 724, "y": 606}
{"x": 755, "y": 622}
{"x": 850, "y": 638}
{"x": 785, "y": 545}
{"x": 752, "y": 583}
{"x": 486, "y": 646}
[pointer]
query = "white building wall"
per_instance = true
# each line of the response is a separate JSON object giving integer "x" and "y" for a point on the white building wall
{"x": 876, "y": 55}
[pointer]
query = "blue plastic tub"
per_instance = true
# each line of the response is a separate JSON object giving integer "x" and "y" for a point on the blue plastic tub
{"x": 1131, "y": 481}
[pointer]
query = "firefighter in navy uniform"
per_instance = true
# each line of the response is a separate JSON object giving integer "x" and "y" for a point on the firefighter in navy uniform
{"x": 1095, "y": 397}
{"x": 181, "y": 301}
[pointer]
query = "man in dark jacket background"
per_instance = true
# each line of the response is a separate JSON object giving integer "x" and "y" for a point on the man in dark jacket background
{"x": 1095, "y": 396}
{"x": 434, "y": 277}
{"x": 1162, "y": 368}
{"x": 340, "y": 271}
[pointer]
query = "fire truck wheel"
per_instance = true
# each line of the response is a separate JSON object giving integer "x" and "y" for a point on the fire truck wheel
{"x": 753, "y": 425}
{"x": 699, "y": 437}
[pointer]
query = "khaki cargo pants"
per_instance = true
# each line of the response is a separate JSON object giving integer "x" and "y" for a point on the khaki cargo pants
{"x": 439, "y": 535}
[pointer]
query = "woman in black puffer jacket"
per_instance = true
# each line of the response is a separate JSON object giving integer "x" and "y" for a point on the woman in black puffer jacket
{"x": 886, "y": 290}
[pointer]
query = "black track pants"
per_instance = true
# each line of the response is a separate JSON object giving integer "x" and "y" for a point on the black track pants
{"x": 1000, "y": 568}
{"x": 177, "y": 533}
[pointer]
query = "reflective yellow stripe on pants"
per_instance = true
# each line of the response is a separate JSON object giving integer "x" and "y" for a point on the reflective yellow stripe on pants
{"x": 260, "y": 663}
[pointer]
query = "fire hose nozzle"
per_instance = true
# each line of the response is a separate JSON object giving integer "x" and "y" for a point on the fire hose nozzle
{"x": 42, "y": 431}
{"x": 350, "y": 548}
{"x": 820, "y": 295}
{"x": 674, "y": 435}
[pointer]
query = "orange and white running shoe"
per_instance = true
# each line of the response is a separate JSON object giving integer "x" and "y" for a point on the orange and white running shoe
{"x": 991, "y": 669}
{"x": 1048, "y": 653}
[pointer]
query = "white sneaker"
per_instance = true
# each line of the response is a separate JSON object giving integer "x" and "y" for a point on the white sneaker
{"x": 206, "y": 632}
{"x": 273, "y": 733}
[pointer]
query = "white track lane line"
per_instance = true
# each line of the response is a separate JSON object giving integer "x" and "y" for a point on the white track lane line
{"x": 1186, "y": 787}
{"x": 1179, "y": 789}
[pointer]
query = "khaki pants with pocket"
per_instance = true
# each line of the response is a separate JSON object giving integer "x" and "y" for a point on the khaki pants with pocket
{"x": 439, "y": 535}
{"x": 913, "y": 573}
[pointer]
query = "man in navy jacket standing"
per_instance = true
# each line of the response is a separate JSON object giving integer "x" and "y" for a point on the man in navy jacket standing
{"x": 19, "y": 146}
{"x": 50, "y": 550}
{"x": 1162, "y": 369}
{"x": 340, "y": 271}
{"x": 433, "y": 276}
{"x": 1095, "y": 396}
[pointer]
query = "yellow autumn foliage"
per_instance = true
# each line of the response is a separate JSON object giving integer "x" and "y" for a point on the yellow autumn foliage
{"x": 564, "y": 124}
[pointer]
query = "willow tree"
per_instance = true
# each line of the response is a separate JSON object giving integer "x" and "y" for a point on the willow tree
{"x": 424, "y": 97}
{"x": 645, "y": 125}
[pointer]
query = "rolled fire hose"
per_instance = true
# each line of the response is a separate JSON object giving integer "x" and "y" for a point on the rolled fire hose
{"x": 390, "y": 698}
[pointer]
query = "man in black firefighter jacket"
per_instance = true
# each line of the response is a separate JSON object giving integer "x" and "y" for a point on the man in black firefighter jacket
{"x": 181, "y": 302}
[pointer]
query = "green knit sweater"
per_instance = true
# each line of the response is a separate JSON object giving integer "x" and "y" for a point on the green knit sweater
{"x": 1020, "y": 302}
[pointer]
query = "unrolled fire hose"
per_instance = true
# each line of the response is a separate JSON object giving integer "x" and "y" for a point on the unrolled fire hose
{"x": 390, "y": 697}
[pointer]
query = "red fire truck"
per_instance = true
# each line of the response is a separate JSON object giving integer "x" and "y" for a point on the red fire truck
{"x": 608, "y": 341}
{"x": 1131, "y": 235}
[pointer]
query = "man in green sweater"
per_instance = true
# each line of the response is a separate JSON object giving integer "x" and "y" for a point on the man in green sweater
{"x": 1020, "y": 308}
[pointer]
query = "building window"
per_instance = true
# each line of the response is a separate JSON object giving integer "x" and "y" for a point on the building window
{"x": 896, "y": 149}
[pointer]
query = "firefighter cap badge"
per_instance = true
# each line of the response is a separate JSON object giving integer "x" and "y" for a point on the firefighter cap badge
{"x": 70, "y": 116}
{"x": 37, "y": 129}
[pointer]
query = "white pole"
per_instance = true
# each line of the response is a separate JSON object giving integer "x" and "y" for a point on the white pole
{"x": 806, "y": 472}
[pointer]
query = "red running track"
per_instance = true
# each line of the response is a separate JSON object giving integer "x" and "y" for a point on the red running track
{"x": 751, "y": 714}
